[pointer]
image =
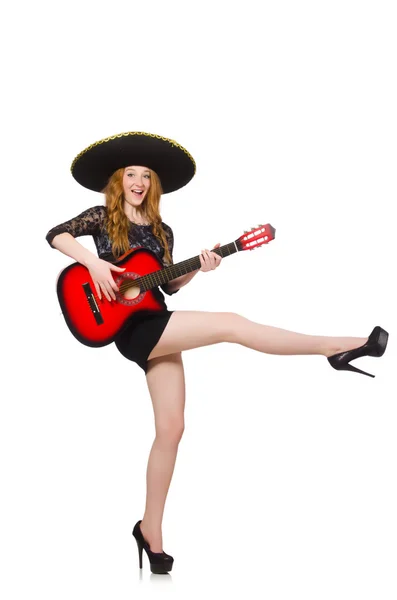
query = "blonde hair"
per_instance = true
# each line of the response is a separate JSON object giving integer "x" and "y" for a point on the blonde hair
{"x": 117, "y": 222}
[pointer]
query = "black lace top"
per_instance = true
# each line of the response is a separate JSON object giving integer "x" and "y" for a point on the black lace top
{"x": 92, "y": 222}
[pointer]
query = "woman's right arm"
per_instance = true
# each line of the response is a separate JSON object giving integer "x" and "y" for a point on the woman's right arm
{"x": 62, "y": 238}
{"x": 67, "y": 244}
{"x": 100, "y": 270}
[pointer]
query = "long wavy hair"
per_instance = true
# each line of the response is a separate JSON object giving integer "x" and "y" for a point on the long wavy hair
{"x": 117, "y": 222}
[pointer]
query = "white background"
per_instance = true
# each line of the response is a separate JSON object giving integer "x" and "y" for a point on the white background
{"x": 285, "y": 481}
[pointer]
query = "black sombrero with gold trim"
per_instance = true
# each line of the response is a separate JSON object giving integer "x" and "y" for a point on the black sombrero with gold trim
{"x": 172, "y": 163}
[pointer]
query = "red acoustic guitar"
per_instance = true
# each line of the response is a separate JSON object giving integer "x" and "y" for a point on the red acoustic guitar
{"x": 97, "y": 322}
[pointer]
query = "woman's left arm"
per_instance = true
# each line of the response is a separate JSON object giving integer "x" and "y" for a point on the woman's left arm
{"x": 209, "y": 261}
{"x": 175, "y": 284}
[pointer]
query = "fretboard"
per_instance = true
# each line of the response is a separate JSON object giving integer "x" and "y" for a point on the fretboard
{"x": 152, "y": 280}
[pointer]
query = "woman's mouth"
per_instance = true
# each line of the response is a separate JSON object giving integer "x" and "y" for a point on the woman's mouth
{"x": 137, "y": 193}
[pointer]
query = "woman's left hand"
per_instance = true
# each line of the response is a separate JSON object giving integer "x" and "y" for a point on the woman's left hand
{"x": 209, "y": 260}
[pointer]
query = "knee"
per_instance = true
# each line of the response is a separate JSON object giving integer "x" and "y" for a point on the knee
{"x": 170, "y": 432}
{"x": 233, "y": 322}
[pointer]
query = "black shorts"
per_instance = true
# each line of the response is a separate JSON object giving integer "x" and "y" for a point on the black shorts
{"x": 141, "y": 335}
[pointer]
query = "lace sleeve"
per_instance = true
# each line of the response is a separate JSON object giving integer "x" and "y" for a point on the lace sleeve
{"x": 89, "y": 222}
{"x": 170, "y": 237}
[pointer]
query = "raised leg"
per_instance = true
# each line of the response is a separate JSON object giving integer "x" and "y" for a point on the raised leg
{"x": 192, "y": 329}
{"x": 166, "y": 383}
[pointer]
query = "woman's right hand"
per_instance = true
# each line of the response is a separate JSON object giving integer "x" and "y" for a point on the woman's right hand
{"x": 101, "y": 273}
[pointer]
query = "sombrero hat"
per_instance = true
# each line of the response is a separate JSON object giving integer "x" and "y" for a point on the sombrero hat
{"x": 173, "y": 164}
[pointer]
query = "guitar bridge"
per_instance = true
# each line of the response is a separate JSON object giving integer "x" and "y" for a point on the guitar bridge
{"x": 93, "y": 304}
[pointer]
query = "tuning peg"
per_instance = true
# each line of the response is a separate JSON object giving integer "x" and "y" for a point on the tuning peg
{"x": 245, "y": 231}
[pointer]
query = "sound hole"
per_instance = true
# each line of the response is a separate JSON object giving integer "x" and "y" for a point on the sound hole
{"x": 132, "y": 292}
{"x": 129, "y": 293}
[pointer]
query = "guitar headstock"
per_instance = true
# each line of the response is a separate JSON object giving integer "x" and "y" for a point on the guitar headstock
{"x": 249, "y": 240}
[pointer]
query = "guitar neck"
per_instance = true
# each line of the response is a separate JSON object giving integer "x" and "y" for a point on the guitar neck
{"x": 152, "y": 280}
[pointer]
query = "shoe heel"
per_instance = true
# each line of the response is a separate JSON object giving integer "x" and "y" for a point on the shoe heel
{"x": 140, "y": 552}
{"x": 349, "y": 367}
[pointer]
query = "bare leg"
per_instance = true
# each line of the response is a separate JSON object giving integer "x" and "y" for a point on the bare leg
{"x": 192, "y": 329}
{"x": 274, "y": 340}
{"x": 166, "y": 383}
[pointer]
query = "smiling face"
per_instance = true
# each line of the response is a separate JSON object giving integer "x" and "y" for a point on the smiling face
{"x": 136, "y": 183}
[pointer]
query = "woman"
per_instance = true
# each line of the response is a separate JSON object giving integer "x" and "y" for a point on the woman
{"x": 133, "y": 170}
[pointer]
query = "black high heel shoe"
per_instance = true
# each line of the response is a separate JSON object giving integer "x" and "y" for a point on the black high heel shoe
{"x": 160, "y": 562}
{"x": 375, "y": 346}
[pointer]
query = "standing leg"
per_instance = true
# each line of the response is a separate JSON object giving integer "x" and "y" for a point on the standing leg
{"x": 166, "y": 383}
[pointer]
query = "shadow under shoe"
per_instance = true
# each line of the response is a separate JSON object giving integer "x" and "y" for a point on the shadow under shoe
{"x": 375, "y": 346}
{"x": 160, "y": 562}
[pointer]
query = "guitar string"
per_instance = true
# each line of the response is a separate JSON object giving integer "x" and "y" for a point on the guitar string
{"x": 154, "y": 275}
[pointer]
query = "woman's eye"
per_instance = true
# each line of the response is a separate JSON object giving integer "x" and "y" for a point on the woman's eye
{"x": 148, "y": 176}
{"x": 130, "y": 174}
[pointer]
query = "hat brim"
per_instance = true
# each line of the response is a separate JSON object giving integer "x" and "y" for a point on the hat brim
{"x": 172, "y": 163}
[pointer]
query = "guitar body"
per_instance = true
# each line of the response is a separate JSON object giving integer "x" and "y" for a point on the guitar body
{"x": 96, "y": 322}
